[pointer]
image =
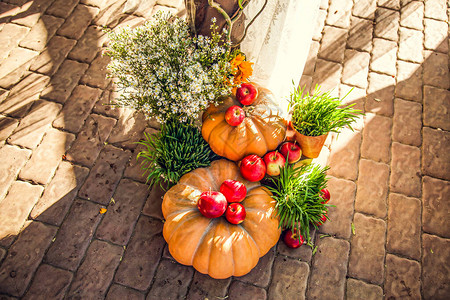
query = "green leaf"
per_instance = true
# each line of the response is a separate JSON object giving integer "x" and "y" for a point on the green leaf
{"x": 353, "y": 229}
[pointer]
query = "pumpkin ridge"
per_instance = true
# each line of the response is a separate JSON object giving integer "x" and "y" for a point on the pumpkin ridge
{"x": 248, "y": 233}
{"x": 200, "y": 242}
{"x": 180, "y": 211}
{"x": 231, "y": 249}
{"x": 185, "y": 219}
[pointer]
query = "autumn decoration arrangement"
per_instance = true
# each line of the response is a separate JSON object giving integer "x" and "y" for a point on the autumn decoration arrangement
{"x": 243, "y": 176}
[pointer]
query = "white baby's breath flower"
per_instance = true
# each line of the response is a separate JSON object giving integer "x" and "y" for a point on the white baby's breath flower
{"x": 160, "y": 66}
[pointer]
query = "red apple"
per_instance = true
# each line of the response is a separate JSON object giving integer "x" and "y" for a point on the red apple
{"x": 291, "y": 151}
{"x": 235, "y": 213}
{"x": 247, "y": 93}
{"x": 234, "y": 115}
{"x": 274, "y": 162}
{"x": 253, "y": 168}
{"x": 322, "y": 220}
{"x": 212, "y": 204}
{"x": 325, "y": 194}
{"x": 233, "y": 190}
{"x": 292, "y": 239}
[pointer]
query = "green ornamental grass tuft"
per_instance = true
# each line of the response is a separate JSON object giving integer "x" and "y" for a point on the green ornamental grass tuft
{"x": 319, "y": 113}
{"x": 296, "y": 191}
{"x": 178, "y": 149}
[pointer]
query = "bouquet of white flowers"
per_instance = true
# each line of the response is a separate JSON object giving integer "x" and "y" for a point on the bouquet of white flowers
{"x": 165, "y": 72}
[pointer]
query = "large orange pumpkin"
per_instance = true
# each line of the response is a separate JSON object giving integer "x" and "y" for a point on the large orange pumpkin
{"x": 215, "y": 246}
{"x": 263, "y": 129}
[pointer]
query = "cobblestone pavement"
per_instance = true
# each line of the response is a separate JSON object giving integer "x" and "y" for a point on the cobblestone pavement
{"x": 64, "y": 155}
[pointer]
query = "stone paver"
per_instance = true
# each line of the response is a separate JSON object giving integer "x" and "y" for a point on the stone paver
{"x": 240, "y": 290}
{"x": 436, "y": 9}
{"x": 24, "y": 257}
{"x": 171, "y": 282}
{"x": 407, "y": 122}
{"x": 64, "y": 81}
{"x": 49, "y": 281}
{"x": 403, "y": 230}
{"x": 365, "y": 9}
{"x": 142, "y": 255}
{"x": 77, "y": 23}
{"x": 320, "y": 22}
{"x": 387, "y": 236}
{"x": 62, "y": 8}
{"x": 402, "y": 278}
{"x": 15, "y": 159}
{"x": 22, "y": 96}
{"x": 77, "y": 108}
{"x": 376, "y": 138}
{"x": 123, "y": 212}
{"x": 410, "y": 47}
{"x": 409, "y": 81}
{"x": 88, "y": 45}
{"x": 333, "y": 44}
{"x": 356, "y": 68}
{"x": 411, "y": 15}
{"x": 329, "y": 269}
{"x": 99, "y": 264}
{"x": 41, "y": 33}
{"x": 33, "y": 126}
{"x": 53, "y": 56}
{"x": 289, "y": 279}
{"x": 372, "y": 188}
{"x": 436, "y": 35}
{"x": 405, "y": 166}
{"x": 96, "y": 74}
{"x": 435, "y": 154}
{"x": 384, "y": 57}
{"x": 435, "y": 70}
{"x": 68, "y": 249}
{"x": 7, "y": 126}
{"x": 45, "y": 159}
{"x": 435, "y": 269}
{"x": 128, "y": 130}
{"x": 311, "y": 59}
{"x": 392, "y": 4}
{"x": 357, "y": 289}
{"x": 59, "y": 193}
{"x": 15, "y": 208}
{"x": 15, "y": 67}
{"x": 152, "y": 206}
{"x": 204, "y": 286}
{"x": 10, "y": 34}
{"x": 386, "y": 24}
{"x": 343, "y": 160}
{"x": 342, "y": 196}
{"x": 436, "y": 209}
{"x": 104, "y": 104}
{"x": 118, "y": 292}
{"x": 327, "y": 75}
{"x": 91, "y": 140}
{"x": 340, "y": 13}
{"x": 380, "y": 98}
{"x": 360, "y": 34}
{"x": 367, "y": 249}
{"x": 104, "y": 176}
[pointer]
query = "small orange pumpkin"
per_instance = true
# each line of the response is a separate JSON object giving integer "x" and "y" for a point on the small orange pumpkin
{"x": 263, "y": 128}
{"x": 215, "y": 246}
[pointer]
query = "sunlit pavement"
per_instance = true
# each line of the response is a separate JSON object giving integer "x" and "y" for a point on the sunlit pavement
{"x": 64, "y": 156}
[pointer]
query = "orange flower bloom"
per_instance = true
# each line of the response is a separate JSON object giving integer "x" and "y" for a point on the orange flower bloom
{"x": 241, "y": 69}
